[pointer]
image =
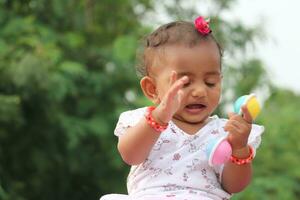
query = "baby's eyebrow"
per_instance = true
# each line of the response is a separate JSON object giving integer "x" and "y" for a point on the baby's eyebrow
{"x": 214, "y": 73}
{"x": 180, "y": 74}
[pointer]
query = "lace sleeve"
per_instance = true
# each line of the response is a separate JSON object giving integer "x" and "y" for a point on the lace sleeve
{"x": 128, "y": 119}
{"x": 255, "y": 136}
{"x": 254, "y": 140}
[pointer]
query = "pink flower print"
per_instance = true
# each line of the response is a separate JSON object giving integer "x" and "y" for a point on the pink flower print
{"x": 203, "y": 172}
{"x": 176, "y": 156}
{"x": 185, "y": 142}
{"x": 173, "y": 131}
{"x": 173, "y": 187}
{"x": 169, "y": 187}
{"x": 159, "y": 144}
{"x": 195, "y": 137}
{"x": 196, "y": 165}
{"x": 214, "y": 132}
{"x": 211, "y": 183}
{"x": 156, "y": 172}
{"x": 185, "y": 177}
{"x": 208, "y": 186}
{"x": 146, "y": 164}
{"x": 202, "y": 146}
{"x": 169, "y": 171}
{"x": 192, "y": 192}
{"x": 193, "y": 148}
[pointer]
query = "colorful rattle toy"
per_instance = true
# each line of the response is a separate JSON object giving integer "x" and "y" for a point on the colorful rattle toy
{"x": 219, "y": 151}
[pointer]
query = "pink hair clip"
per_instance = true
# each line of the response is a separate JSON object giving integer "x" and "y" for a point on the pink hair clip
{"x": 202, "y": 26}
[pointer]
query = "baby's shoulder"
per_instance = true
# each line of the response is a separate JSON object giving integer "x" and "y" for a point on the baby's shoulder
{"x": 128, "y": 119}
{"x": 131, "y": 117}
{"x": 135, "y": 113}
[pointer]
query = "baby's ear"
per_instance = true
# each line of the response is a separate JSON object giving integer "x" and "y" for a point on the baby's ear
{"x": 149, "y": 89}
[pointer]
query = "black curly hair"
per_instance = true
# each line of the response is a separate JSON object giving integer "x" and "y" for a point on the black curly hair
{"x": 178, "y": 32}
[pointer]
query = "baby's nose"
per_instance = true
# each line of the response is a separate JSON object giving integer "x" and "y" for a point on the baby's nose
{"x": 199, "y": 92}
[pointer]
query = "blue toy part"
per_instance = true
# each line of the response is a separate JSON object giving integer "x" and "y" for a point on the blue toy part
{"x": 252, "y": 104}
{"x": 239, "y": 103}
{"x": 211, "y": 147}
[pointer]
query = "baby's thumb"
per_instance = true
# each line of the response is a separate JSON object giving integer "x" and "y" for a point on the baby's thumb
{"x": 230, "y": 114}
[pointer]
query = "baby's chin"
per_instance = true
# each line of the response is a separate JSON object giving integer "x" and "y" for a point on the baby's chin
{"x": 192, "y": 120}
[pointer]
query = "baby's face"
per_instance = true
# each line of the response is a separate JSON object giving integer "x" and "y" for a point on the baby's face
{"x": 202, "y": 66}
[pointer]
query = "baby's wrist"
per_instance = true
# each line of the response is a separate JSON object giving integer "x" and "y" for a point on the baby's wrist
{"x": 153, "y": 122}
{"x": 242, "y": 156}
{"x": 157, "y": 116}
{"x": 241, "y": 152}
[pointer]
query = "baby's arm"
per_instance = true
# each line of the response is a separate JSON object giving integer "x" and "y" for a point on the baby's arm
{"x": 236, "y": 177}
{"x": 136, "y": 144}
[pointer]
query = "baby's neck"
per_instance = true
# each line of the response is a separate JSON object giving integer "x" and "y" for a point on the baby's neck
{"x": 190, "y": 128}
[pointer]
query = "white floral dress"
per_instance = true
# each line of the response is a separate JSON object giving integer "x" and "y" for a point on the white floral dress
{"x": 177, "y": 166}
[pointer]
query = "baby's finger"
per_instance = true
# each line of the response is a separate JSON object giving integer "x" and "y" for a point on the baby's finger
{"x": 231, "y": 115}
{"x": 246, "y": 115}
{"x": 230, "y": 128}
{"x": 177, "y": 86}
{"x": 235, "y": 123}
{"x": 173, "y": 77}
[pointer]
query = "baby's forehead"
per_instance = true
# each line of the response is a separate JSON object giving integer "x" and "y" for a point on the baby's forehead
{"x": 169, "y": 52}
{"x": 186, "y": 61}
{"x": 210, "y": 73}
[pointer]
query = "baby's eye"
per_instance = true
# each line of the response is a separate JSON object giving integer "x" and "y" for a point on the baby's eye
{"x": 210, "y": 84}
{"x": 187, "y": 84}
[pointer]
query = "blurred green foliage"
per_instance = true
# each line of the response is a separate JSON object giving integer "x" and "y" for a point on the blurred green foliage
{"x": 66, "y": 73}
{"x": 277, "y": 175}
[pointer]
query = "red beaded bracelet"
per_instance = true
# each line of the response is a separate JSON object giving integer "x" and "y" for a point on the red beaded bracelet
{"x": 242, "y": 161}
{"x": 155, "y": 125}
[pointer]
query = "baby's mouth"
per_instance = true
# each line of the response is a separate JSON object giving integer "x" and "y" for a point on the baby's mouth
{"x": 195, "y": 108}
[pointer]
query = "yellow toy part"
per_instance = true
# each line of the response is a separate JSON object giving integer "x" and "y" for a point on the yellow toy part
{"x": 253, "y": 106}
{"x": 251, "y": 102}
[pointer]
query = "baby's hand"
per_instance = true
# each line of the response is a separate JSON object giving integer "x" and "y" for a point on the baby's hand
{"x": 172, "y": 99}
{"x": 239, "y": 128}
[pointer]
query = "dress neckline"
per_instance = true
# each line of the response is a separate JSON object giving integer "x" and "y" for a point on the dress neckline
{"x": 212, "y": 119}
